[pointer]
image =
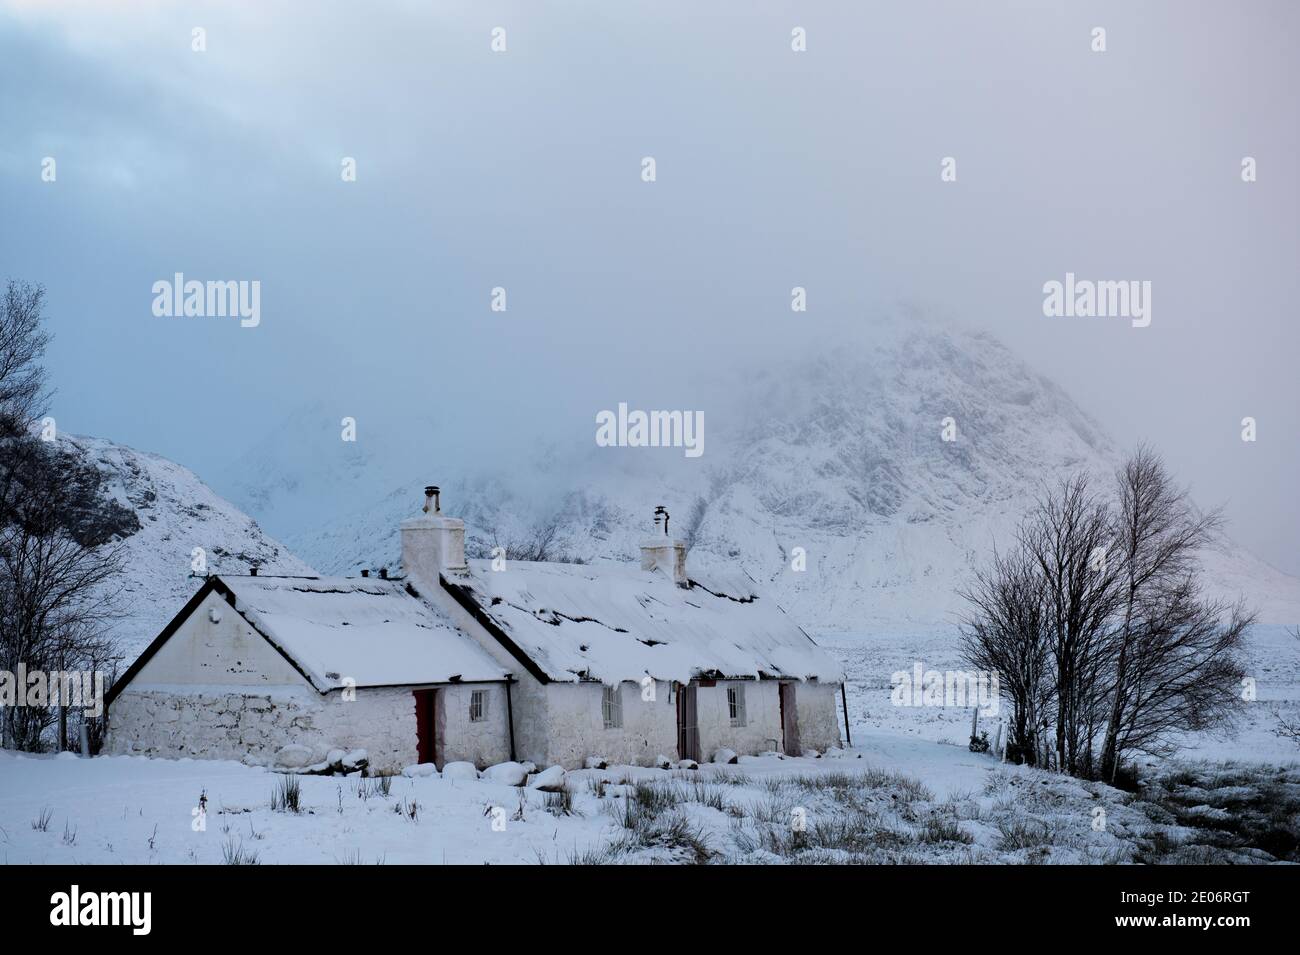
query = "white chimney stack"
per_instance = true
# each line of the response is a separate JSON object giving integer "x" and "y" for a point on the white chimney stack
{"x": 431, "y": 543}
{"x": 664, "y": 553}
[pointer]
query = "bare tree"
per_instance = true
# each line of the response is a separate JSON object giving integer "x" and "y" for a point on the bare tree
{"x": 1097, "y": 626}
{"x": 544, "y": 543}
{"x": 1006, "y": 633}
{"x": 22, "y": 345}
{"x": 56, "y": 591}
{"x": 694, "y": 521}
{"x": 1066, "y": 539}
{"x": 1289, "y": 728}
{"x": 57, "y": 553}
{"x": 1157, "y": 535}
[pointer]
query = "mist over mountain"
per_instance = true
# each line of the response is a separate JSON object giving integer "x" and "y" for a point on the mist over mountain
{"x": 840, "y": 452}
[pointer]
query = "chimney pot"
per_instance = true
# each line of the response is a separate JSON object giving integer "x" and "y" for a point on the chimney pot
{"x": 365, "y": 571}
{"x": 253, "y": 570}
{"x": 383, "y": 573}
{"x": 432, "y": 542}
{"x": 665, "y": 553}
{"x": 661, "y": 518}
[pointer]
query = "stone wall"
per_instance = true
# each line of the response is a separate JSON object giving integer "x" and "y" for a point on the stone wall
{"x": 292, "y": 727}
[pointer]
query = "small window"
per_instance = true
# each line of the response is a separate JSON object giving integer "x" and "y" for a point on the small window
{"x": 611, "y": 706}
{"x": 478, "y": 706}
{"x": 736, "y": 704}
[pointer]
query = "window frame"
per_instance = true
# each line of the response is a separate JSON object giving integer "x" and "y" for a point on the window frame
{"x": 736, "y": 711}
{"x": 611, "y": 706}
{"x": 479, "y": 697}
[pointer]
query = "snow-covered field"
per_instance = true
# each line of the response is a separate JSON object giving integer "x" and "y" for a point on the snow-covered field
{"x": 870, "y": 660}
{"x": 909, "y": 790}
{"x": 63, "y": 809}
{"x": 850, "y": 807}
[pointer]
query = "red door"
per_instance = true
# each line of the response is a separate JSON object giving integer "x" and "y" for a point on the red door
{"x": 425, "y": 726}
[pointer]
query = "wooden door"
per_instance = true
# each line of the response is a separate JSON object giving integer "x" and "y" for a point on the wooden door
{"x": 688, "y": 724}
{"x": 426, "y": 736}
{"x": 790, "y": 721}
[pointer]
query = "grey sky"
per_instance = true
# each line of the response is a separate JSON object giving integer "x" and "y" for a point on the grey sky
{"x": 774, "y": 169}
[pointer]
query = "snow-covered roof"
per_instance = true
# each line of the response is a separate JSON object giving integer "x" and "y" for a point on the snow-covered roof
{"x": 369, "y": 630}
{"x": 614, "y": 623}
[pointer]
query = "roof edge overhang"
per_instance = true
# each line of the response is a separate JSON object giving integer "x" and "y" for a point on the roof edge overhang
{"x": 464, "y": 597}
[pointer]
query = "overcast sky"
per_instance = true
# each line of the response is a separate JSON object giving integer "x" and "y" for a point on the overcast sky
{"x": 522, "y": 169}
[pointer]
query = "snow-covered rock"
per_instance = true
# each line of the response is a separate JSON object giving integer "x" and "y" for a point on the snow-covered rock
{"x": 548, "y": 780}
{"x": 459, "y": 770}
{"x": 725, "y": 756}
{"x": 663, "y": 762}
{"x": 687, "y": 764}
{"x": 596, "y": 762}
{"x": 420, "y": 770}
{"x": 292, "y": 756}
{"x": 355, "y": 759}
{"x": 507, "y": 774}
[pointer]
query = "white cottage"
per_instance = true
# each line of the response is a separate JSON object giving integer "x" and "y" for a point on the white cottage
{"x": 459, "y": 660}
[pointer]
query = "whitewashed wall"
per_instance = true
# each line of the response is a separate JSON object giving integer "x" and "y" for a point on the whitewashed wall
{"x": 818, "y": 705}
{"x": 565, "y": 722}
{"x": 218, "y": 690}
{"x": 762, "y": 728}
{"x": 575, "y": 726}
{"x": 227, "y": 652}
{"x": 460, "y": 739}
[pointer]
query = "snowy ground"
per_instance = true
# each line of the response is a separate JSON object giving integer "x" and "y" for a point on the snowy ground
{"x": 140, "y": 811}
{"x": 908, "y": 791}
{"x": 893, "y": 798}
{"x": 1273, "y": 660}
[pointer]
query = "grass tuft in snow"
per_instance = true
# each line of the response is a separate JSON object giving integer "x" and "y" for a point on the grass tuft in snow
{"x": 1019, "y": 832}
{"x": 560, "y": 803}
{"x": 287, "y": 796}
{"x": 354, "y": 858}
{"x": 408, "y": 808}
{"x": 234, "y": 853}
{"x": 652, "y": 818}
{"x": 1224, "y": 813}
{"x": 42, "y": 822}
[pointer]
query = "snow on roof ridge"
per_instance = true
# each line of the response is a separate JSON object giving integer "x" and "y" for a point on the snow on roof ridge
{"x": 617, "y": 622}
{"x": 367, "y": 631}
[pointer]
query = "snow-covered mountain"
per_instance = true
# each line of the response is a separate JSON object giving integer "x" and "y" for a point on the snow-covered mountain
{"x": 175, "y": 512}
{"x": 840, "y": 453}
